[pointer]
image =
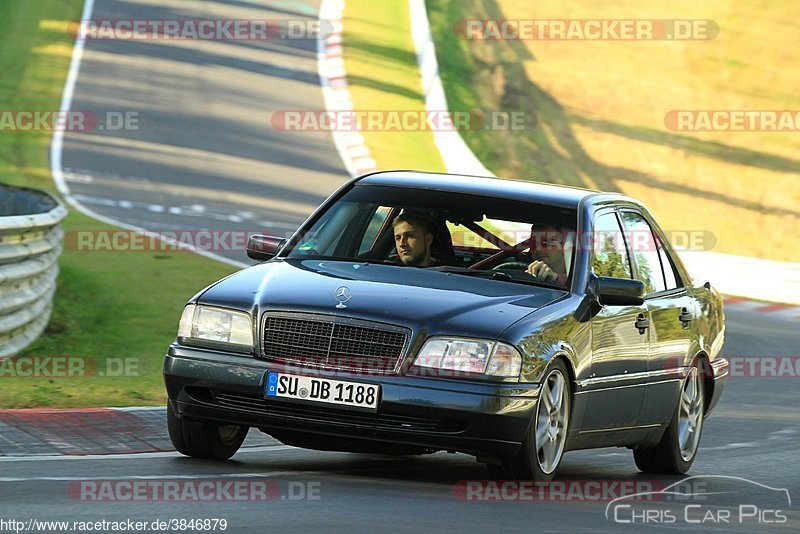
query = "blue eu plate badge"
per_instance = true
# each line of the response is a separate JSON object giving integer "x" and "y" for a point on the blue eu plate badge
{"x": 272, "y": 384}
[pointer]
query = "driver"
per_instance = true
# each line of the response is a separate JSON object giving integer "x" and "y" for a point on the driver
{"x": 547, "y": 253}
{"x": 413, "y": 237}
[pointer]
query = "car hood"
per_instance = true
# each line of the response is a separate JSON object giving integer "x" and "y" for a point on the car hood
{"x": 423, "y": 300}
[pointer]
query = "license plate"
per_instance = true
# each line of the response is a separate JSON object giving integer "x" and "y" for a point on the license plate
{"x": 325, "y": 390}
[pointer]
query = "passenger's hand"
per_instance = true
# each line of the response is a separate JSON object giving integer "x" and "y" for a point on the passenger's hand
{"x": 542, "y": 271}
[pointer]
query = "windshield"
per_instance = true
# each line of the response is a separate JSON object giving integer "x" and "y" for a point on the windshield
{"x": 497, "y": 238}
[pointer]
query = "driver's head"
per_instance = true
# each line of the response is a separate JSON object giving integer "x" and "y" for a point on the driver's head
{"x": 547, "y": 245}
{"x": 413, "y": 237}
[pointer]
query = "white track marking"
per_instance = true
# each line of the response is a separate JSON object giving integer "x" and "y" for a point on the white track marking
{"x": 160, "y": 477}
{"x": 133, "y": 456}
{"x": 354, "y": 153}
{"x": 138, "y": 408}
{"x": 57, "y": 146}
{"x": 183, "y": 211}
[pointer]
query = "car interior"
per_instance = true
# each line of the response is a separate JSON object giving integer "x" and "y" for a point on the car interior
{"x": 492, "y": 252}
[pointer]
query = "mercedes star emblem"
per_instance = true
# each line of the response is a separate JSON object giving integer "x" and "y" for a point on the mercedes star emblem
{"x": 342, "y": 294}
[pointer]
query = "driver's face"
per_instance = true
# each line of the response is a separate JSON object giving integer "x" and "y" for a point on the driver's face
{"x": 548, "y": 246}
{"x": 413, "y": 243}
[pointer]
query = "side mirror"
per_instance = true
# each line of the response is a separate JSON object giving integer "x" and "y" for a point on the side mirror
{"x": 263, "y": 247}
{"x": 618, "y": 291}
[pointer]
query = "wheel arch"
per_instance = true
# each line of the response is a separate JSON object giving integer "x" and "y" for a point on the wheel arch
{"x": 564, "y": 356}
{"x": 707, "y": 375}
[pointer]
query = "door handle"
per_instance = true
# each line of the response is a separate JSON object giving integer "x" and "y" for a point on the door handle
{"x": 685, "y": 316}
{"x": 642, "y": 323}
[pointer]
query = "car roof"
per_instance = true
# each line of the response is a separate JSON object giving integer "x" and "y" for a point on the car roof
{"x": 557, "y": 195}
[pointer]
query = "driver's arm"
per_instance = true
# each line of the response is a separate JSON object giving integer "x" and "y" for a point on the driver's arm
{"x": 540, "y": 270}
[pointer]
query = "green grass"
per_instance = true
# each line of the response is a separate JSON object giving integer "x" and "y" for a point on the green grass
{"x": 108, "y": 304}
{"x": 383, "y": 75}
{"x": 595, "y": 112}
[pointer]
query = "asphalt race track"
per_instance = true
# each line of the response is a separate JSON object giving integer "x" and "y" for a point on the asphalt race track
{"x": 205, "y": 157}
{"x": 753, "y": 435}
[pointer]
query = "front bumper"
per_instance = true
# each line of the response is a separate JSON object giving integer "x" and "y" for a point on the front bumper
{"x": 489, "y": 420}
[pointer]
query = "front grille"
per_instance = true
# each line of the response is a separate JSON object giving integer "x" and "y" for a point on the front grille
{"x": 329, "y": 415}
{"x": 333, "y": 343}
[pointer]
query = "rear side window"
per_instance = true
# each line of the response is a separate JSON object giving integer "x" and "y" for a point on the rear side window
{"x": 645, "y": 251}
{"x": 671, "y": 279}
{"x": 610, "y": 256}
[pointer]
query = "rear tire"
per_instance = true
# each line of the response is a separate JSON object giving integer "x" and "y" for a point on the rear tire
{"x": 544, "y": 444}
{"x": 676, "y": 451}
{"x": 199, "y": 439}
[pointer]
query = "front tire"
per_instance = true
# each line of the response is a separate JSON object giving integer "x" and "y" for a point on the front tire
{"x": 199, "y": 439}
{"x": 676, "y": 451}
{"x": 544, "y": 444}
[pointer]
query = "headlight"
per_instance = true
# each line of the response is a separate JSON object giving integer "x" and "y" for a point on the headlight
{"x": 216, "y": 325}
{"x": 474, "y": 356}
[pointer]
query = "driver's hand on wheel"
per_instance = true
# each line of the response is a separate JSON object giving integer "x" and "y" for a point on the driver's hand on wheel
{"x": 542, "y": 271}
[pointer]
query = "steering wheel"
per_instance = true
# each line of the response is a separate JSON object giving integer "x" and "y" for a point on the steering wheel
{"x": 512, "y": 265}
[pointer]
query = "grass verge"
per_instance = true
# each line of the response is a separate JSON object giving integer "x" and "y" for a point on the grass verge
{"x": 110, "y": 307}
{"x": 383, "y": 75}
{"x": 595, "y": 112}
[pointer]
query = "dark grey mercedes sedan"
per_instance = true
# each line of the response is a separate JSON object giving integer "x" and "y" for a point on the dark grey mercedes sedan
{"x": 416, "y": 312}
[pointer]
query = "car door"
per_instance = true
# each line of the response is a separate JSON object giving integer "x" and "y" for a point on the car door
{"x": 671, "y": 311}
{"x": 619, "y": 348}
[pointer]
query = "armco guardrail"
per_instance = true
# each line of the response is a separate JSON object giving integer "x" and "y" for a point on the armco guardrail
{"x": 30, "y": 243}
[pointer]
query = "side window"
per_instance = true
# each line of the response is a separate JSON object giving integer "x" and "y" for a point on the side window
{"x": 644, "y": 250}
{"x": 671, "y": 279}
{"x": 375, "y": 224}
{"x": 610, "y": 255}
